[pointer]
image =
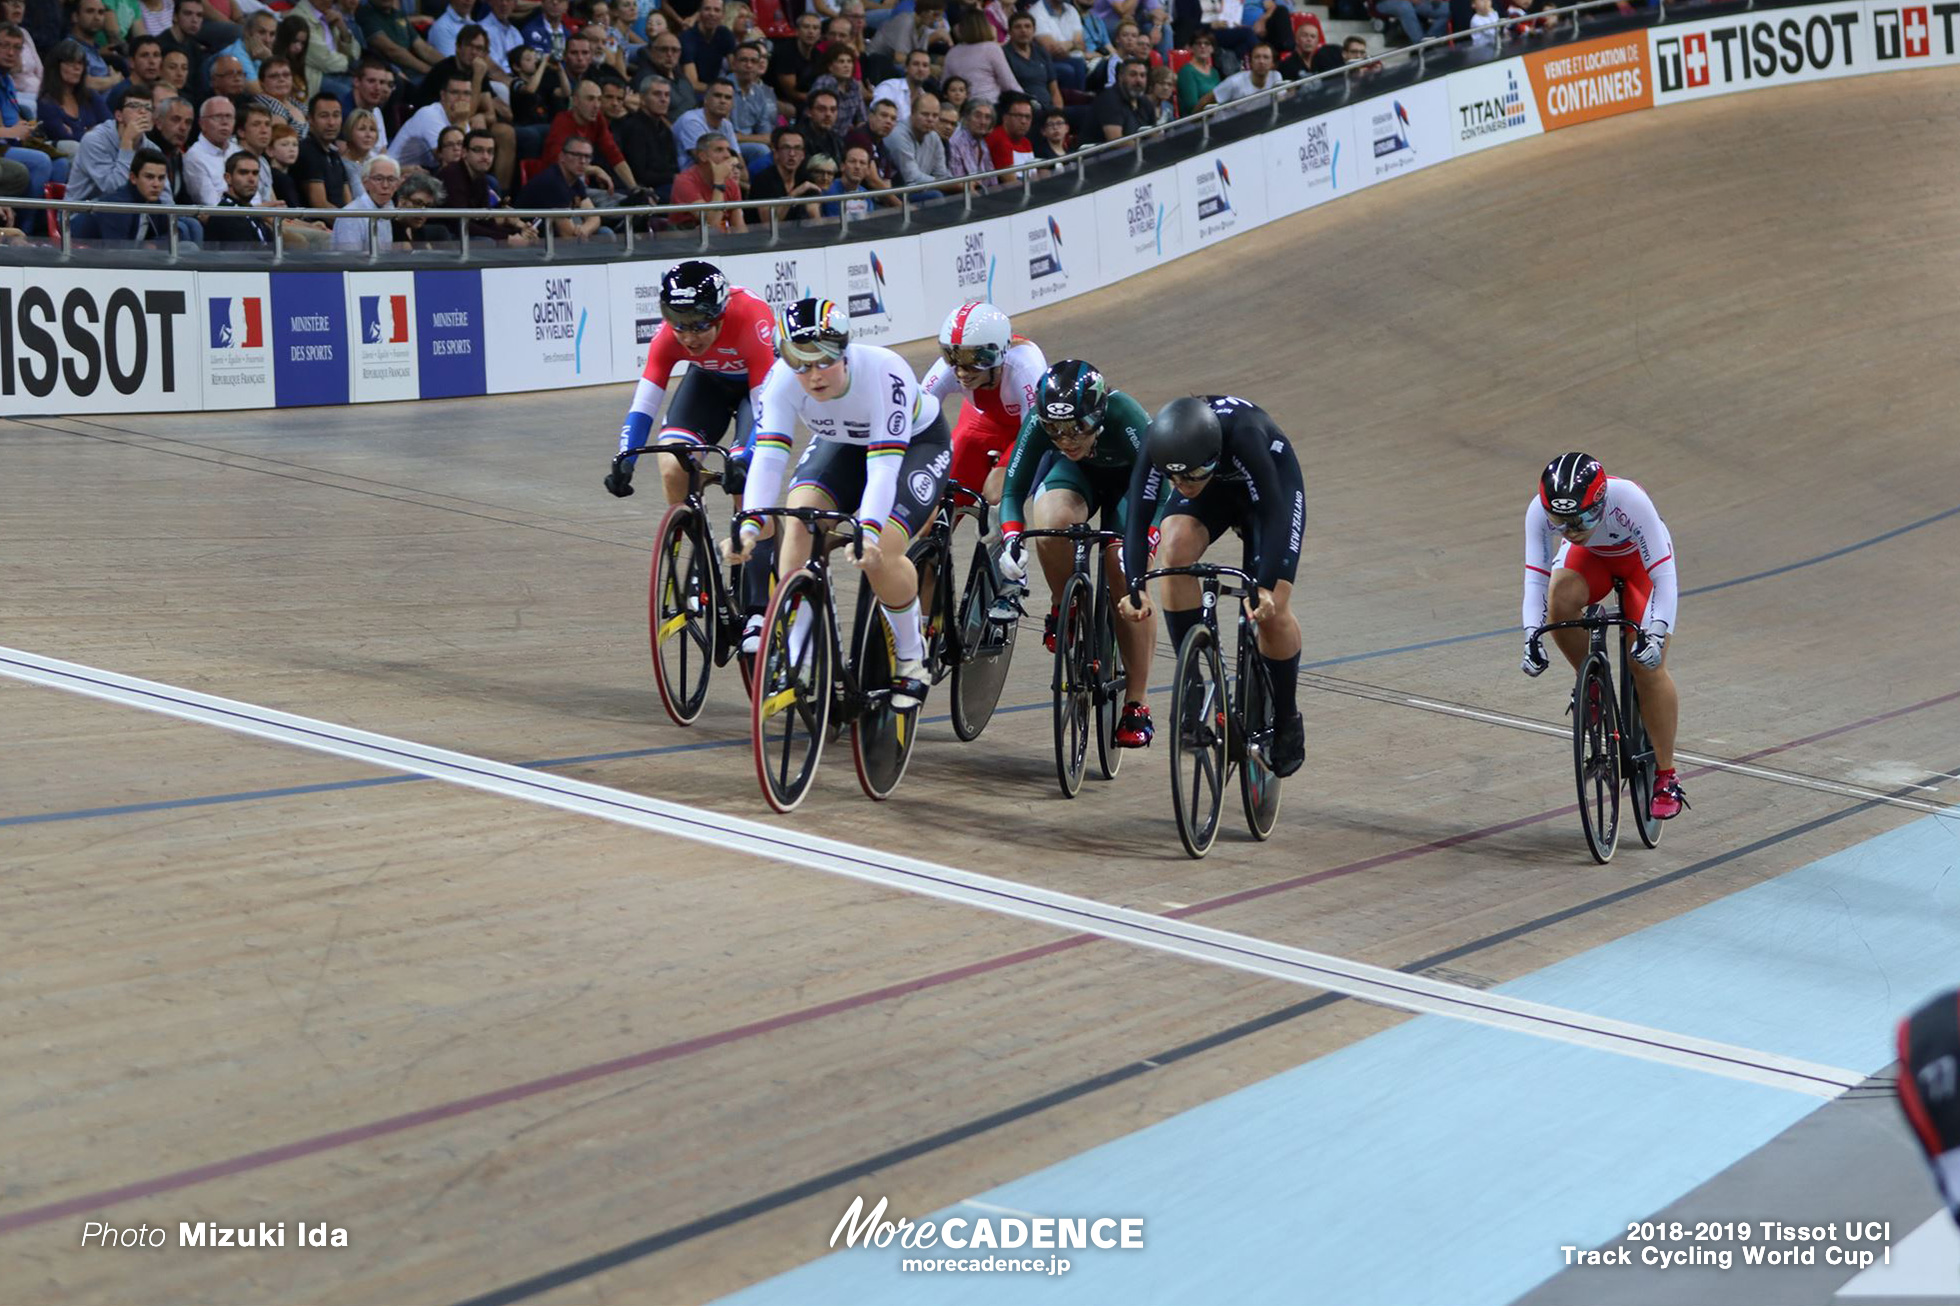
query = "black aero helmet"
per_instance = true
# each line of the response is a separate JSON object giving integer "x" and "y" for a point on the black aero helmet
{"x": 812, "y": 331}
{"x": 693, "y": 295}
{"x": 1572, "y": 489}
{"x": 1183, "y": 438}
{"x": 1073, "y": 399}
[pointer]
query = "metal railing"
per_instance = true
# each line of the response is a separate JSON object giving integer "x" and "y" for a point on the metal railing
{"x": 971, "y": 186}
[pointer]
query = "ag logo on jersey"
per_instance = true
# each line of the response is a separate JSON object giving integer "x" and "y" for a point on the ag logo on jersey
{"x": 1565, "y": 505}
{"x": 922, "y": 486}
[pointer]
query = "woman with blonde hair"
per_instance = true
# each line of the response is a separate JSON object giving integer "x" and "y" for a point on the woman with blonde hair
{"x": 358, "y": 136}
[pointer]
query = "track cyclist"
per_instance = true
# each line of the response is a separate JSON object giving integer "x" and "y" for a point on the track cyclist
{"x": 998, "y": 372}
{"x": 878, "y": 441}
{"x": 727, "y": 335}
{"x": 1610, "y": 530}
{"x": 1214, "y": 463}
{"x": 1076, "y": 454}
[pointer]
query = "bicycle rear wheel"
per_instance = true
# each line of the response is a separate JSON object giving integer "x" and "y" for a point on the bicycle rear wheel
{"x": 1259, "y": 788}
{"x": 1198, "y": 741}
{"x": 1110, "y": 683}
{"x": 1639, "y": 764}
{"x": 681, "y": 618}
{"x": 1596, "y": 758}
{"x": 881, "y": 735}
{"x": 1074, "y": 684}
{"x": 791, "y": 704}
{"x": 986, "y": 649}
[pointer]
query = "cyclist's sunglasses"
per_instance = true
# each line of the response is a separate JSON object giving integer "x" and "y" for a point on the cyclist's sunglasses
{"x": 800, "y": 358}
{"x": 984, "y": 357}
{"x": 690, "y": 319}
{"x": 1071, "y": 431}
{"x": 1578, "y": 521}
{"x": 1194, "y": 475}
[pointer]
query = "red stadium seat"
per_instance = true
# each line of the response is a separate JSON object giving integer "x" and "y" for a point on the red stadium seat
{"x": 527, "y": 169}
{"x": 1179, "y": 57}
{"x": 1309, "y": 20}
{"x": 769, "y": 17}
{"x": 57, "y": 190}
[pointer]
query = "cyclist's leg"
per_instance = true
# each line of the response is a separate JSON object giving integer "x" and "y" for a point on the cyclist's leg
{"x": 1137, "y": 639}
{"x": 828, "y": 473}
{"x": 893, "y": 578}
{"x": 698, "y": 414}
{"x": 1063, "y": 496}
{"x": 1278, "y": 641}
{"x": 978, "y": 443}
{"x": 1189, "y": 527}
{"x": 1579, "y": 577}
{"x": 1660, "y": 703}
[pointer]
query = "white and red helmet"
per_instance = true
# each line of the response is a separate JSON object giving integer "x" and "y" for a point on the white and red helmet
{"x": 976, "y": 334}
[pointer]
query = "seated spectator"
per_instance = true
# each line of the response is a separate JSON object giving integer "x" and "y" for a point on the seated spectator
{"x": 387, "y": 33}
{"x": 624, "y": 41}
{"x": 875, "y": 139}
{"x": 185, "y": 34}
{"x": 145, "y": 54}
{"x": 819, "y": 126}
{"x": 706, "y": 47}
{"x": 1008, "y": 145}
{"x": 1098, "y": 44}
{"x": 147, "y": 176}
{"x": 1058, "y": 31}
{"x": 280, "y": 157}
{"x": 204, "y": 162}
{"x": 713, "y": 116}
{"x": 853, "y": 186}
{"x": 1309, "y": 55}
{"x": 562, "y": 76}
{"x": 374, "y": 89}
{"x": 321, "y": 172}
{"x": 331, "y": 50}
{"x": 979, "y": 60}
{"x": 663, "y": 57}
{"x": 754, "y": 111}
{"x": 1152, "y": 20}
{"x": 526, "y": 107}
{"x": 546, "y": 30}
{"x": 966, "y": 153}
{"x": 67, "y": 107}
{"x": 1162, "y": 92}
{"x": 238, "y": 227}
{"x": 455, "y": 16}
{"x": 584, "y": 122}
{"x": 1200, "y": 75}
{"x": 612, "y": 102}
{"x": 279, "y": 94}
{"x": 173, "y": 127}
{"x": 792, "y": 66}
{"x": 253, "y": 47}
{"x": 415, "y": 143}
{"x": 647, "y": 139}
{"x": 384, "y": 176}
{"x": 1052, "y": 139}
{"x": 470, "y": 184}
{"x": 562, "y": 186}
{"x": 254, "y": 136}
{"x": 177, "y": 73}
{"x": 415, "y": 231}
{"x": 1485, "y": 35}
{"x": 1033, "y": 70}
{"x": 917, "y": 145}
{"x": 358, "y": 144}
{"x": 1418, "y": 20}
{"x": 227, "y": 78}
{"x": 449, "y": 147}
{"x": 1270, "y": 21}
{"x": 783, "y": 178}
{"x": 1124, "y": 109}
{"x": 1258, "y": 75}
{"x": 900, "y": 90}
{"x": 31, "y": 73}
{"x": 716, "y": 175}
{"x": 923, "y": 30}
{"x": 837, "y": 79}
{"x": 291, "y": 41}
{"x": 743, "y": 27}
{"x": 1221, "y": 19}
{"x": 1130, "y": 44}
{"x": 87, "y": 26}
{"x": 107, "y": 152}
{"x": 954, "y": 93}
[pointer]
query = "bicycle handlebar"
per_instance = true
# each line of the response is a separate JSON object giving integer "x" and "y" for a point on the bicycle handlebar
{"x": 1240, "y": 583}
{"x": 676, "y": 447}
{"x": 811, "y": 516}
{"x": 1079, "y": 531}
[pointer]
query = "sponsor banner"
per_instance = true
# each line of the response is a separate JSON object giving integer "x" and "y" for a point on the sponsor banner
{"x": 1778, "y": 47}
{"x": 1591, "y": 79}
{"x": 1139, "y": 224}
{"x": 1311, "y": 162}
{"x": 449, "y": 333}
{"x": 1223, "y": 191}
{"x": 1054, "y": 251}
{"x": 972, "y": 262}
{"x": 235, "y": 310}
{"x": 551, "y": 327}
{"x": 877, "y": 284}
{"x": 1913, "y": 36}
{"x": 381, "y": 339}
{"x": 309, "y": 338}
{"x": 1405, "y": 130}
{"x": 92, "y": 342}
{"x": 635, "y": 297}
{"x": 1491, "y": 104}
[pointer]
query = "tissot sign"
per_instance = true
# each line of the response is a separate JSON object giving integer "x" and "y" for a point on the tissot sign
{"x": 91, "y": 342}
{"x": 1716, "y": 56}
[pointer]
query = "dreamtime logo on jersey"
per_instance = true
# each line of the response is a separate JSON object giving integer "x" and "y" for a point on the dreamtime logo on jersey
{"x": 1498, "y": 113}
{"x": 384, "y": 326}
{"x": 1908, "y": 32}
{"x": 237, "y": 323}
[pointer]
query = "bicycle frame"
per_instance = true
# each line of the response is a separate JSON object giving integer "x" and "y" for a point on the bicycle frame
{"x": 1242, "y": 585}
{"x": 847, "y": 695}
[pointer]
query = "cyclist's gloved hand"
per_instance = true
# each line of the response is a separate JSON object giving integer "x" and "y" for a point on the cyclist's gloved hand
{"x": 1535, "y": 661}
{"x": 1013, "y": 558}
{"x": 1650, "y": 646}
{"x": 619, "y": 482}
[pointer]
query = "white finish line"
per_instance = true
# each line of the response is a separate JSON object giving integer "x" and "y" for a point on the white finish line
{"x": 1391, "y": 988}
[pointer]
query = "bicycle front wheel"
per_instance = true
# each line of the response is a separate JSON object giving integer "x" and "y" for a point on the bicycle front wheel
{"x": 1198, "y": 740}
{"x": 681, "y": 617}
{"x": 1258, "y": 786}
{"x": 1596, "y": 758}
{"x": 1110, "y": 684}
{"x": 791, "y": 703}
{"x": 881, "y": 735}
{"x": 1074, "y": 687}
{"x": 986, "y": 649}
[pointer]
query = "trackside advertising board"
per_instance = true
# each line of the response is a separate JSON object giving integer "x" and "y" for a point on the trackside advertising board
{"x": 76, "y": 340}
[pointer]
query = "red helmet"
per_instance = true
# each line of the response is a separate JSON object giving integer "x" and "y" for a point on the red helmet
{"x": 1572, "y": 489}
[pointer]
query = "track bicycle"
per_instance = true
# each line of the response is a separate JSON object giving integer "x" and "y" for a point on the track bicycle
{"x": 1217, "y": 724}
{"x": 1089, "y": 682}
{"x": 1609, "y": 739}
{"x": 965, "y": 642}
{"x": 694, "y": 616}
{"x": 809, "y": 686}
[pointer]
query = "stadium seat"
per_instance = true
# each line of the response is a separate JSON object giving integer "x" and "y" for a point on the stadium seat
{"x": 769, "y": 17}
{"x": 527, "y": 169}
{"x": 1309, "y": 20}
{"x": 1179, "y": 57}
{"x": 56, "y": 190}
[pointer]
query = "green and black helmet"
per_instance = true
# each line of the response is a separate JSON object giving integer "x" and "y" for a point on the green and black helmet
{"x": 1072, "y": 401}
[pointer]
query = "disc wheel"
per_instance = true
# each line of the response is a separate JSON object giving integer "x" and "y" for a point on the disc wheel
{"x": 790, "y": 708}
{"x": 986, "y": 650}
{"x": 1198, "y": 741}
{"x": 1596, "y": 758}
{"x": 1259, "y": 788}
{"x": 1110, "y": 686}
{"x": 681, "y": 618}
{"x": 881, "y": 735}
{"x": 1073, "y": 685}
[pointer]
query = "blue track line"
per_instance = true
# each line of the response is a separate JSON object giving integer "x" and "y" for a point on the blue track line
{"x": 253, "y": 795}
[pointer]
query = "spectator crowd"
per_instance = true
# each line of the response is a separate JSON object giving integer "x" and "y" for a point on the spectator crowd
{"x": 588, "y": 105}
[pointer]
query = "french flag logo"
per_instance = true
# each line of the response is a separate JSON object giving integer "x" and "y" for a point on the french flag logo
{"x": 384, "y": 319}
{"x": 237, "y": 323}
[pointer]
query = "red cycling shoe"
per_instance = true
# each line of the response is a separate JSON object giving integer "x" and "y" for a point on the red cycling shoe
{"x": 1668, "y": 797}
{"x": 1134, "y": 730}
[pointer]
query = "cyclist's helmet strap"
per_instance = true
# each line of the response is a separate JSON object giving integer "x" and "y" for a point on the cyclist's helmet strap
{"x": 1571, "y": 484}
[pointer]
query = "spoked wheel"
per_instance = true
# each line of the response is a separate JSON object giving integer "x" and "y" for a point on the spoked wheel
{"x": 1109, "y": 686}
{"x": 1074, "y": 684}
{"x": 1198, "y": 740}
{"x": 1596, "y": 758}
{"x": 791, "y": 707}
{"x": 681, "y": 616}
{"x": 986, "y": 649}
{"x": 881, "y": 736}
{"x": 1640, "y": 768}
{"x": 1258, "y": 786}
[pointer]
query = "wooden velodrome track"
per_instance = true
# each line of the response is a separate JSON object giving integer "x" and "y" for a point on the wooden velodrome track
{"x": 492, "y": 1039}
